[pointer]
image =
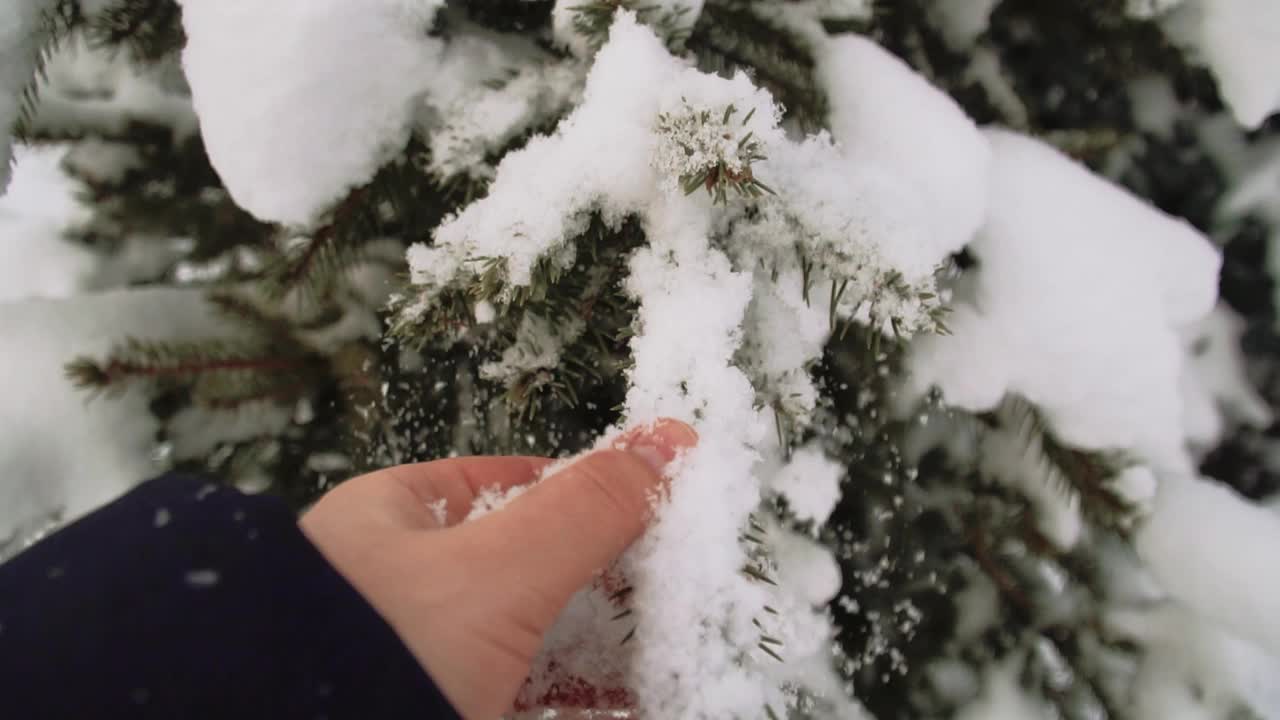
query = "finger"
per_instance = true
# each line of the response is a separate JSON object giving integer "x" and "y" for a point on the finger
{"x": 449, "y": 488}
{"x": 554, "y": 538}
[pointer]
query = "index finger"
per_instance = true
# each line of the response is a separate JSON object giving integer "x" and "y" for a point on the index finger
{"x": 450, "y": 487}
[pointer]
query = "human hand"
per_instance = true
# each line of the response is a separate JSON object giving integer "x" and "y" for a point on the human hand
{"x": 472, "y": 601}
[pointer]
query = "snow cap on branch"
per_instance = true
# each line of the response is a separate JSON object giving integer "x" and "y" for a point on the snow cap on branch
{"x": 1214, "y": 551}
{"x": 1240, "y": 42}
{"x": 885, "y": 115}
{"x": 300, "y": 101}
{"x": 1076, "y": 305}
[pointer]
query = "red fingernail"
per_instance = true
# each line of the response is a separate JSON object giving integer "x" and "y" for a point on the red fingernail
{"x": 658, "y": 443}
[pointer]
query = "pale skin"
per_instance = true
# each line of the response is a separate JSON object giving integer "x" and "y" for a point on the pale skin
{"x": 473, "y": 600}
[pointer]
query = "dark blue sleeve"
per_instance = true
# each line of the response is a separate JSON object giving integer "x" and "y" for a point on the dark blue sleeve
{"x": 186, "y": 599}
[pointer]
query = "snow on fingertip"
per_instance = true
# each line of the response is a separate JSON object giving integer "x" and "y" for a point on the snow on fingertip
{"x": 300, "y": 101}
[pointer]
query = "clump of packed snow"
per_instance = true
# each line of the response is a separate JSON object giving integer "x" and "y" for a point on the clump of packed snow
{"x": 1229, "y": 671}
{"x": 1239, "y": 40}
{"x": 1215, "y": 551}
{"x": 810, "y": 482}
{"x": 300, "y": 101}
{"x": 1191, "y": 666}
{"x": 887, "y": 117}
{"x": 1077, "y": 303}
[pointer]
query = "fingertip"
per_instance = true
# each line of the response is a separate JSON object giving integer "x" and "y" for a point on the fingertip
{"x": 658, "y": 443}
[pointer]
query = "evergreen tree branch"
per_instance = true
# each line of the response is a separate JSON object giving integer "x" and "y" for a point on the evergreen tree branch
{"x": 1079, "y": 473}
{"x": 56, "y": 25}
{"x": 150, "y": 29}
{"x": 217, "y": 371}
{"x": 402, "y": 201}
{"x": 729, "y": 35}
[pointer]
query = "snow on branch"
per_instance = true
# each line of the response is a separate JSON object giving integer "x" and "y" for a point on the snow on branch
{"x": 1077, "y": 303}
{"x": 742, "y": 227}
{"x": 302, "y": 100}
{"x": 22, "y": 33}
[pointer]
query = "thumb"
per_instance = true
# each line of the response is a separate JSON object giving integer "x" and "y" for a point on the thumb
{"x": 554, "y": 538}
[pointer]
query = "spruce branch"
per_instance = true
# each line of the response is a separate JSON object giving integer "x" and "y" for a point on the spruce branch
{"x": 527, "y": 16}
{"x": 707, "y": 149}
{"x": 1086, "y": 475}
{"x": 585, "y": 295}
{"x": 593, "y": 18}
{"x": 150, "y": 29}
{"x": 312, "y": 263}
{"x": 246, "y": 313}
{"x": 402, "y": 200}
{"x": 216, "y": 372}
{"x": 731, "y": 36}
{"x": 56, "y": 25}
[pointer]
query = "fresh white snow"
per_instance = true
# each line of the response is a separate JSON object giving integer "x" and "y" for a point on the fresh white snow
{"x": 318, "y": 89}
{"x": 1239, "y": 40}
{"x": 1077, "y": 303}
{"x": 62, "y": 454}
{"x": 1215, "y": 552}
{"x": 35, "y": 259}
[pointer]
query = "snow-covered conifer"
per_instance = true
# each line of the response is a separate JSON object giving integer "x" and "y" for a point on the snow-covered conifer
{"x": 970, "y": 302}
